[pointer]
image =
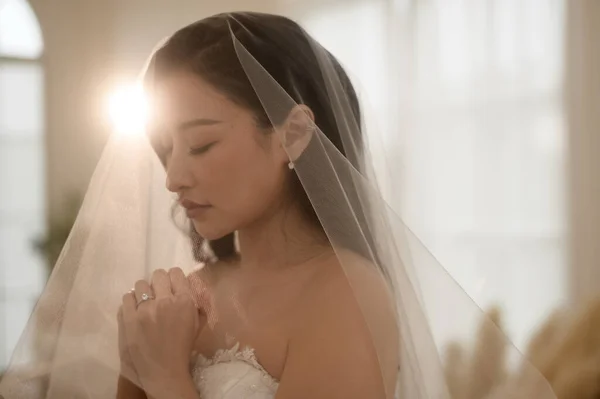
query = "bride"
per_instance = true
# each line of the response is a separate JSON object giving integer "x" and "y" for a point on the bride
{"x": 297, "y": 329}
{"x": 308, "y": 285}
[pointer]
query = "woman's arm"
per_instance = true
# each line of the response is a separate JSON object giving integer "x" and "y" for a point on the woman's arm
{"x": 126, "y": 388}
{"x": 343, "y": 348}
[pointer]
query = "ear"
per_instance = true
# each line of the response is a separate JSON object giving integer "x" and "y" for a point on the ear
{"x": 297, "y": 132}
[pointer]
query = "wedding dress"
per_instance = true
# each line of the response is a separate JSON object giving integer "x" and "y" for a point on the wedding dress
{"x": 232, "y": 374}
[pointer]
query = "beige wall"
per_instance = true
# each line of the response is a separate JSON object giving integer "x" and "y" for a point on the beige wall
{"x": 583, "y": 104}
{"x": 78, "y": 52}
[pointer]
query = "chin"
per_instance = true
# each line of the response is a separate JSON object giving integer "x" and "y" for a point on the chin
{"x": 211, "y": 232}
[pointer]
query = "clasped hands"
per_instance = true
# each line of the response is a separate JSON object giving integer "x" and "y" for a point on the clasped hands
{"x": 159, "y": 322}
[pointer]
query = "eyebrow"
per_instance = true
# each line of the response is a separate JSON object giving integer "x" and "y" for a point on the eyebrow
{"x": 197, "y": 122}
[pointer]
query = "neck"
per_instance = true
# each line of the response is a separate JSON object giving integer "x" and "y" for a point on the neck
{"x": 283, "y": 238}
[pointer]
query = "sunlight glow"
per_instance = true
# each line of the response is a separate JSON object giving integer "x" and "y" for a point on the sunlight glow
{"x": 128, "y": 109}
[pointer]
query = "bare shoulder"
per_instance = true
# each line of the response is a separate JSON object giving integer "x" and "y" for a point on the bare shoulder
{"x": 350, "y": 281}
{"x": 348, "y": 321}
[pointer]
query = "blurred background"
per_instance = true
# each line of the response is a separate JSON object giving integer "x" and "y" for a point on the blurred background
{"x": 489, "y": 109}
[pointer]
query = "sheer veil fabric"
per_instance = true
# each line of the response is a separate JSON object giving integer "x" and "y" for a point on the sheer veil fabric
{"x": 125, "y": 230}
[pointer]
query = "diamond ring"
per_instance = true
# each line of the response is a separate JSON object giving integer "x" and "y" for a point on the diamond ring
{"x": 145, "y": 297}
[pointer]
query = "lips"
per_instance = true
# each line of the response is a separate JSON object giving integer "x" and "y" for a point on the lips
{"x": 193, "y": 209}
{"x": 187, "y": 204}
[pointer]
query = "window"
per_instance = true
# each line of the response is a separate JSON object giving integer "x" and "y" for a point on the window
{"x": 469, "y": 96}
{"x": 22, "y": 190}
{"x": 20, "y": 34}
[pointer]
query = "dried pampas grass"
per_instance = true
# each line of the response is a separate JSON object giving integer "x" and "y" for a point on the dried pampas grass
{"x": 566, "y": 351}
{"x": 473, "y": 375}
{"x": 572, "y": 357}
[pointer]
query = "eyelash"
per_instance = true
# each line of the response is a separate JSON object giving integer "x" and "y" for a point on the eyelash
{"x": 200, "y": 150}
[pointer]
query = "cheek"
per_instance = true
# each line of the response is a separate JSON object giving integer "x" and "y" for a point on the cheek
{"x": 243, "y": 179}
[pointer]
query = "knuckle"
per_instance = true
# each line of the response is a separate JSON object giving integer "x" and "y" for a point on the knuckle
{"x": 140, "y": 284}
{"x": 175, "y": 271}
{"x": 159, "y": 273}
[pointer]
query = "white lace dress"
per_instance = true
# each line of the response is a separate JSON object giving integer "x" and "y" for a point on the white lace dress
{"x": 233, "y": 374}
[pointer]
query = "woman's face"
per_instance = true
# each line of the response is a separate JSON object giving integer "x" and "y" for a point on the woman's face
{"x": 227, "y": 171}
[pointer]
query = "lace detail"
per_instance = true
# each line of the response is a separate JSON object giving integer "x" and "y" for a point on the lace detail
{"x": 232, "y": 374}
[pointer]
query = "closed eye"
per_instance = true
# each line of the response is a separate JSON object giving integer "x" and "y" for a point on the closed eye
{"x": 201, "y": 150}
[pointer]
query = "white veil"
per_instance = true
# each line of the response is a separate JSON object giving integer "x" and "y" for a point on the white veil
{"x": 125, "y": 230}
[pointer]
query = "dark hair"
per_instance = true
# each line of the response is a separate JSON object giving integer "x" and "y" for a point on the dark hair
{"x": 286, "y": 52}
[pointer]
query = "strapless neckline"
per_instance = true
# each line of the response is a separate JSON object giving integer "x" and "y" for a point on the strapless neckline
{"x": 233, "y": 373}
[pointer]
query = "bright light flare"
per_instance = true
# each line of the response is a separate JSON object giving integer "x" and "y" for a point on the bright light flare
{"x": 128, "y": 109}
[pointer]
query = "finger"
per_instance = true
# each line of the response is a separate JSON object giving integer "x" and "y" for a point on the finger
{"x": 120, "y": 314}
{"x": 121, "y": 326}
{"x": 161, "y": 283}
{"x": 128, "y": 307}
{"x": 179, "y": 284}
{"x": 120, "y": 317}
{"x": 142, "y": 287}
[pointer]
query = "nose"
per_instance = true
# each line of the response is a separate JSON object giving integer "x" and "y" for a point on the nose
{"x": 179, "y": 177}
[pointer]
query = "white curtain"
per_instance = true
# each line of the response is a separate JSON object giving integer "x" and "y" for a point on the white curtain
{"x": 468, "y": 94}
